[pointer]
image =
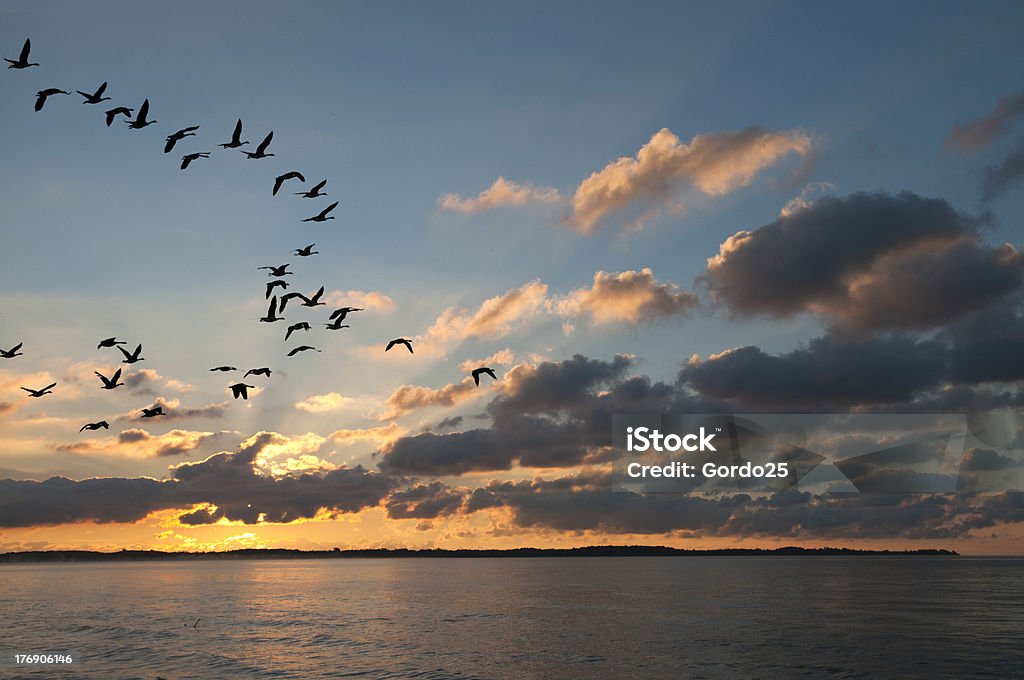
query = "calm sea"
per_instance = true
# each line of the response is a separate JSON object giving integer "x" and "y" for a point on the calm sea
{"x": 593, "y": 618}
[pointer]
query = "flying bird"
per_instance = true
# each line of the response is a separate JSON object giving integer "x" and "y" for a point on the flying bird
{"x": 307, "y": 251}
{"x": 341, "y": 313}
{"x": 110, "y": 342}
{"x": 49, "y": 92}
{"x": 141, "y": 117}
{"x": 261, "y": 150}
{"x": 12, "y": 352}
{"x": 22, "y": 61}
{"x": 96, "y": 426}
{"x": 314, "y": 192}
{"x": 303, "y": 326}
{"x": 271, "y": 285}
{"x": 272, "y": 316}
{"x": 97, "y": 96}
{"x": 257, "y": 371}
{"x": 176, "y": 137}
{"x": 322, "y": 217}
{"x": 39, "y": 393}
{"x": 223, "y": 369}
{"x": 153, "y": 412}
{"x": 110, "y": 383}
{"x": 132, "y": 357}
{"x": 236, "y": 137}
{"x": 119, "y": 111}
{"x": 281, "y": 179}
{"x": 306, "y": 301}
{"x": 477, "y": 372}
{"x": 400, "y": 341}
{"x": 189, "y": 157}
{"x": 336, "y": 326}
{"x": 281, "y": 270}
{"x": 302, "y": 348}
{"x": 240, "y": 390}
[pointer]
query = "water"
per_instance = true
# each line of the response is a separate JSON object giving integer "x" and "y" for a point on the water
{"x": 594, "y": 618}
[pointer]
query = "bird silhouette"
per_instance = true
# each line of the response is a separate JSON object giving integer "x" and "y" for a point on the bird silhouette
{"x": 49, "y": 92}
{"x": 110, "y": 342}
{"x": 281, "y": 270}
{"x": 132, "y": 357}
{"x": 236, "y": 137}
{"x": 261, "y": 150}
{"x": 96, "y": 426}
{"x": 322, "y": 217}
{"x": 110, "y": 383}
{"x": 303, "y": 326}
{"x": 22, "y": 61}
{"x": 189, "y": 157}
{"x": 477, "y": 372}
{"x": 342, "y": 312}
{"x": 240, "y": 390}
{"x": 118, "y": 111}
{"x": 307, "y": 251}
{"x": 257, "y": 371}
{"x": 153, "y": 412}
{"x": 176, "y": 137}
{"x": 281, "y": 179}
{"x": 223, "y": 369}
{"x": 400, "y": 341}
{"x": 313, "y": 301}
{"x": 12, "y": 352}
{"x": 97, "y": 96}
{"x": 336, "y": 326}
{"x": 141, "y": 117}
{"x": 39, "y": 393}
{"x": 272, "y": 316}
{"x": 302, "y": 348}
{"x": 271, "y": 285}
{"x": 314, "y": 192}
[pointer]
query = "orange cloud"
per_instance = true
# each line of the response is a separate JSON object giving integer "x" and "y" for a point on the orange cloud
{"x": 501, "y": 193}
{"x": 359, "y": 298}
{"x": 379, "y": 435}
{"x": 138, "y": 443}
{"x": 324, "y": 403}
{"x": 630, "y": 296}
{"x": 408, "y": 398}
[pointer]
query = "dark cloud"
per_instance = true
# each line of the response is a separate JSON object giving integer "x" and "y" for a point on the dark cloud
{"x": 979, "y": 133}
{"x": 1003, "y": 175}
{"x": 987, "y": 460}
{"x": 988, "y": 346}
{"x": 449, "y": 423}
{"x": 424, "y": 501}
{"x": 173, "y": 410}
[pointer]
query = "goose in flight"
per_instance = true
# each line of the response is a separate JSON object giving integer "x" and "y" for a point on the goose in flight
{"x": 307, "y": 251}
{"x": 281, "y": 179}
{"x": 49, "y": 92}
{"x": 97, "y": 96}
{"x": 236, "y": 137}
{"x": 336, "y": 326}
{"x": 22, "y": 61}
{"x": 303, "y": 326}
{"x": 223, "y": 369}
{"x": 257, "y": 371}
{"x": 132, "y": 357}
{"x": 271, "y": 285}
{"x": 141, "y": 117}
{"x": 189, "y": 157}
{"x": 118, "y": 111}
{"x": 110, "y": 383}
{"x": 12, "y": 352}
{"x": 176, "y": 137}
{"x": 153, "y": 412}
{"x": 341, "y": 313}
{"x": 302, "y": 348}
{"x": 96, "y": 426}
{"x": 322, "y": 217}
{"x": 110, "y": 342}
{"x": 400, "y": 341}
{"x": 281, "y": 270}
{"x": 261, "y": 150}
{"x": 314, "y": 192}
{"x": 240, "y": 390}
{"x": 39, "y": 393}
{"x": 477, "y": 372}
{"x": 272, "y": 316}
{"x": 313, "y": 301}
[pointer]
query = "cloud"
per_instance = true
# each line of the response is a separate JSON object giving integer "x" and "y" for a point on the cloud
{"x": 324, "y": 403}
{"x": 503, "y": 357}
{"x": 713, "y": 164}
{"x": 1003, "y": 175}
{"x": 979, "y": 133}
{"x": 408, "y": 398}
{"x": 494, "y": 318}
{"x": 138, "y": 443}
{"x": 423, "y": 501}
{"x": 500, "y": 194}
{"x": 631, "y": 296}
{"x": 867, "y": 262}
{"x": 369, "y": 300}
{"x": 173, "y": 411}
{"x": 377, "y": 435}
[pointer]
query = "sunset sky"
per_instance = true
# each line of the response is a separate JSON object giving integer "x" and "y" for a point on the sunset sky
{"x": 621, "y": 208}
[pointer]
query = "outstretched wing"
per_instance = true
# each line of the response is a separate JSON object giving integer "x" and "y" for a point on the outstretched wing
{"x": 26, "y": 48}
{"x": 236, "y": 136}
{"x": 265, "y": 143}
{"x": 101, "y": 90}
{"x": 144, "y": 110}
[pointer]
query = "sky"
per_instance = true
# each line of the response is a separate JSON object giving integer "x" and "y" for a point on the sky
{"x": 654, "y": 207}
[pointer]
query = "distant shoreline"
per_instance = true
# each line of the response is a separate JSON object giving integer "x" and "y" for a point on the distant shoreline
{"x": 63, "y": 556}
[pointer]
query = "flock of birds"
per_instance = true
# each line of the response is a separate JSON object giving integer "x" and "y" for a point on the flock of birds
{"x": 277, "y": 304}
